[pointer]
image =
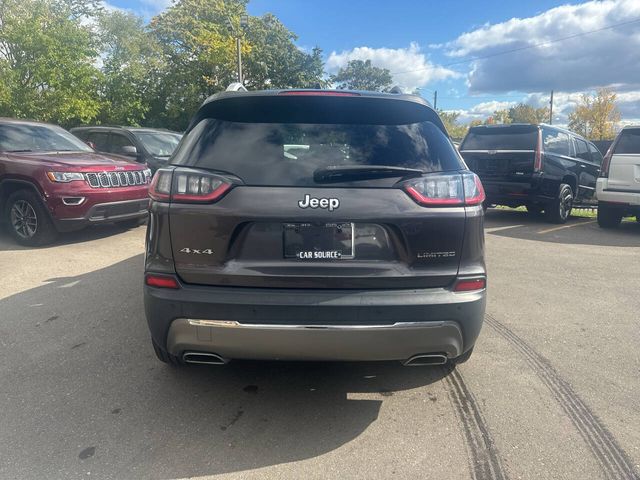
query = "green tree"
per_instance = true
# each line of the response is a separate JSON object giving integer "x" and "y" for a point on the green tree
{"x": 131, "y": 64}
{"x": 362, "y": 75}
{"x": 501, "y": 117}
{"x": 47, "y": 55}
{"x": 523, "y": 113}
{"x": 274, "y": 61}
{"x": 197, "y": 38}
{"x": 450, "y": 120}
{"x": 596, "y": 116}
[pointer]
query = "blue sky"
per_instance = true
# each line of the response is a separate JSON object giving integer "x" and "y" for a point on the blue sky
{"x": 419, "y": 40}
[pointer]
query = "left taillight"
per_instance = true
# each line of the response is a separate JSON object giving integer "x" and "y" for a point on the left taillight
{"x": 187, "y": 186}
{"x": 446, "y": 189}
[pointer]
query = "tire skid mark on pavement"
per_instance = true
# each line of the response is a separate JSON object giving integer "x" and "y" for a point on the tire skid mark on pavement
{"x": 484, "y": 462}
{"x": 613, "y": 460}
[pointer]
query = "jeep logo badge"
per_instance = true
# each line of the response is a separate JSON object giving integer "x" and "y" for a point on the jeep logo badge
{"x": 330, "y": 204}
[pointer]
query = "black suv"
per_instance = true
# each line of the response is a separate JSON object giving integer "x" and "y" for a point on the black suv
{"x": 538, "y": 166}
{"x": 315, "y": 225}
{"x": 145, "y": 145}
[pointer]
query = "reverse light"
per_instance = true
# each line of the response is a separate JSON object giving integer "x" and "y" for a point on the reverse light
{"x": 65, "y": 177}
{"x": 470, "y": 285}
{"x": 161, "y": 281}
{"x": 446, "y": 190}
{"x": 160, "y": 188}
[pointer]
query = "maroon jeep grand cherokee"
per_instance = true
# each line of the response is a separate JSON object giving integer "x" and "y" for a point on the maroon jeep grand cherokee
{"x": 50, "y": 181}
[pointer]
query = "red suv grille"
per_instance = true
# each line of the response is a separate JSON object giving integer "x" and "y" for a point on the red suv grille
{"x": 117, "y": 179}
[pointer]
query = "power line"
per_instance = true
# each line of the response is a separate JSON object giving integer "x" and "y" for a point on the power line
{"x": 519, "y": 49}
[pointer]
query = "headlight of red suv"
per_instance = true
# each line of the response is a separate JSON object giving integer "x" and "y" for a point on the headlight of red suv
{"x": 65, "y": 177}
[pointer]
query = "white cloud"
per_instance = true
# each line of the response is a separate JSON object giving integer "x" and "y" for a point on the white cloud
{"x": 607, "y": 57}
{"x": 482, "y": 110}
{"x": 410, "y": 67}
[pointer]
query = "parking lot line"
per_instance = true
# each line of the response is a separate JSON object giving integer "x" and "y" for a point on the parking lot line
{"x": 554, "y": 229}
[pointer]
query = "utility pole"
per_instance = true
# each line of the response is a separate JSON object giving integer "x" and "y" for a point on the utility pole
{"x": 244, "y": 24}
{"x": 435, "y": 100}
{"x": 551, "y": 109}
{"x": 239, "y": 53}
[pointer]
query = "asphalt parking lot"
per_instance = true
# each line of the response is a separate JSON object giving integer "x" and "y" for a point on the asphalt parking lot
{"x": 551, "y": 392}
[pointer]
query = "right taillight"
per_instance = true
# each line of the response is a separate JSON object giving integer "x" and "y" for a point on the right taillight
{"x": 188, "y": 186}
{"x": 446, "y": 190}
{"x": 537, "y": 162}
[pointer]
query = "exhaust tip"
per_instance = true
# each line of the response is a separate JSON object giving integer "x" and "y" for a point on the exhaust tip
{"x": 203, "y": 358}
{"x": 426, "y": 359}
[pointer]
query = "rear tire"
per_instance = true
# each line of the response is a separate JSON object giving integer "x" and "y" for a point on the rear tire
{"x": 165, "y": 357}
{"x": 559, "y": 210}
{"x": 608, "y": 217}
{"x": 463, "y": 358}
{"x": 27, "y": 220}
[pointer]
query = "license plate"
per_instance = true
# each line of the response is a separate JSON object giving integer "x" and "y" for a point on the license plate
{"x": 329, "y": 241}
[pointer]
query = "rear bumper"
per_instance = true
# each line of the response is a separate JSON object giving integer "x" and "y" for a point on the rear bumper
{"x": 514, "y": 193}
{"x": 278, "y": 324}
{"x": 106, "y": 213}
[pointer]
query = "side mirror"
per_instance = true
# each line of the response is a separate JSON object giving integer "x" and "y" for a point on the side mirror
{"x": 91, "y": 144}
{"x": 129, "y": 151}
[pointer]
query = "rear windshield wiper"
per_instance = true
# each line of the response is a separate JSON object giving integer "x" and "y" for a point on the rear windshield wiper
{"x": 339, "y": 173}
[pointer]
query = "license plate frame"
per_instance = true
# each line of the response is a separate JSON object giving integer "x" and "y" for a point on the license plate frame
{"x": 330, "y": 241}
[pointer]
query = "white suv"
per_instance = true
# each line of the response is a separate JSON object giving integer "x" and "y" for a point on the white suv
{"x": 618, "y": 188}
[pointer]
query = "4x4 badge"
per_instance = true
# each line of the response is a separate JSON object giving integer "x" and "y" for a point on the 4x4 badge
{"x": 311, "y": 202}
{"x": 194, "y": 251}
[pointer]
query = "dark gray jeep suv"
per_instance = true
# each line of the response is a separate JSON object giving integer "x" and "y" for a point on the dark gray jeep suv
{"x": 315, "y": 225}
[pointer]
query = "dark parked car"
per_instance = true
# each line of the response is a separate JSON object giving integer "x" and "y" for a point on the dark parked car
{"x": 145, "y": 145}
{"x": 542, "y": 167}
{"x": 50, "y": 181}
{"x": 315, "y": 225}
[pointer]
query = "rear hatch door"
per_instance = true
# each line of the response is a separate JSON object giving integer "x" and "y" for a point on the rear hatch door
{"x": 316, "y": 201}
{"x": 624, "y": 170}
{"x": 501, "y": 152}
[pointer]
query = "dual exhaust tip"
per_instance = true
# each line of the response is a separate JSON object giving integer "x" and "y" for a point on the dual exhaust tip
{"x": 202, "y": 358}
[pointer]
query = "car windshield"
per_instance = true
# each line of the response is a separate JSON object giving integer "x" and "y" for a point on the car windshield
{"x": 289, "y": 154}
{"x": 629, "y": 141}
{"x": 159, "y": 144}
{"x": 39, "y": 138}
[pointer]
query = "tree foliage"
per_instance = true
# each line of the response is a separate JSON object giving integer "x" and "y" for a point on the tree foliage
{"x": 596, "y": 116}
{"x": 362, "y": 75}
{"x": 450, "y": 120}
{"x": 521, "y": 113}
{"x": 47, "y": 55}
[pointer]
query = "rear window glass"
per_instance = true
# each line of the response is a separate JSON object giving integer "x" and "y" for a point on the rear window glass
{"x": 288, "y": 154}
{"x": 501, "y": 138}
{"x": 629, "y": 141}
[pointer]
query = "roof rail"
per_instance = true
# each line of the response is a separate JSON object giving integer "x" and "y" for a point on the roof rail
{"x": 236, "y": 87}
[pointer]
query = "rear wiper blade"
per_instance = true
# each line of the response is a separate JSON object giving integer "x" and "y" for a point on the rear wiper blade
{"x": 338, "y": 173}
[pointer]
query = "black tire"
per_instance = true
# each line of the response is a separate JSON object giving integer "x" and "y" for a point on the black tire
{"x": 559, "y": 210}
{"x": 166, "y": 357}
{"x": 463, "y": 358}
{"x": 535, "y": 210}
{"x": 608, "y": 217}
{"x": 27, "y": 220}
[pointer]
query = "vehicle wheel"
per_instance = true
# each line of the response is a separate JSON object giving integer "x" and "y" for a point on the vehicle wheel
{"x": 166, "y": 357}
{"x": 534, "y": 210}
{"x": 462, "y": 358}
{"x": 608, "y": 217}
{"x": 27, "y": 219}
{"x": 559, "y": 210}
